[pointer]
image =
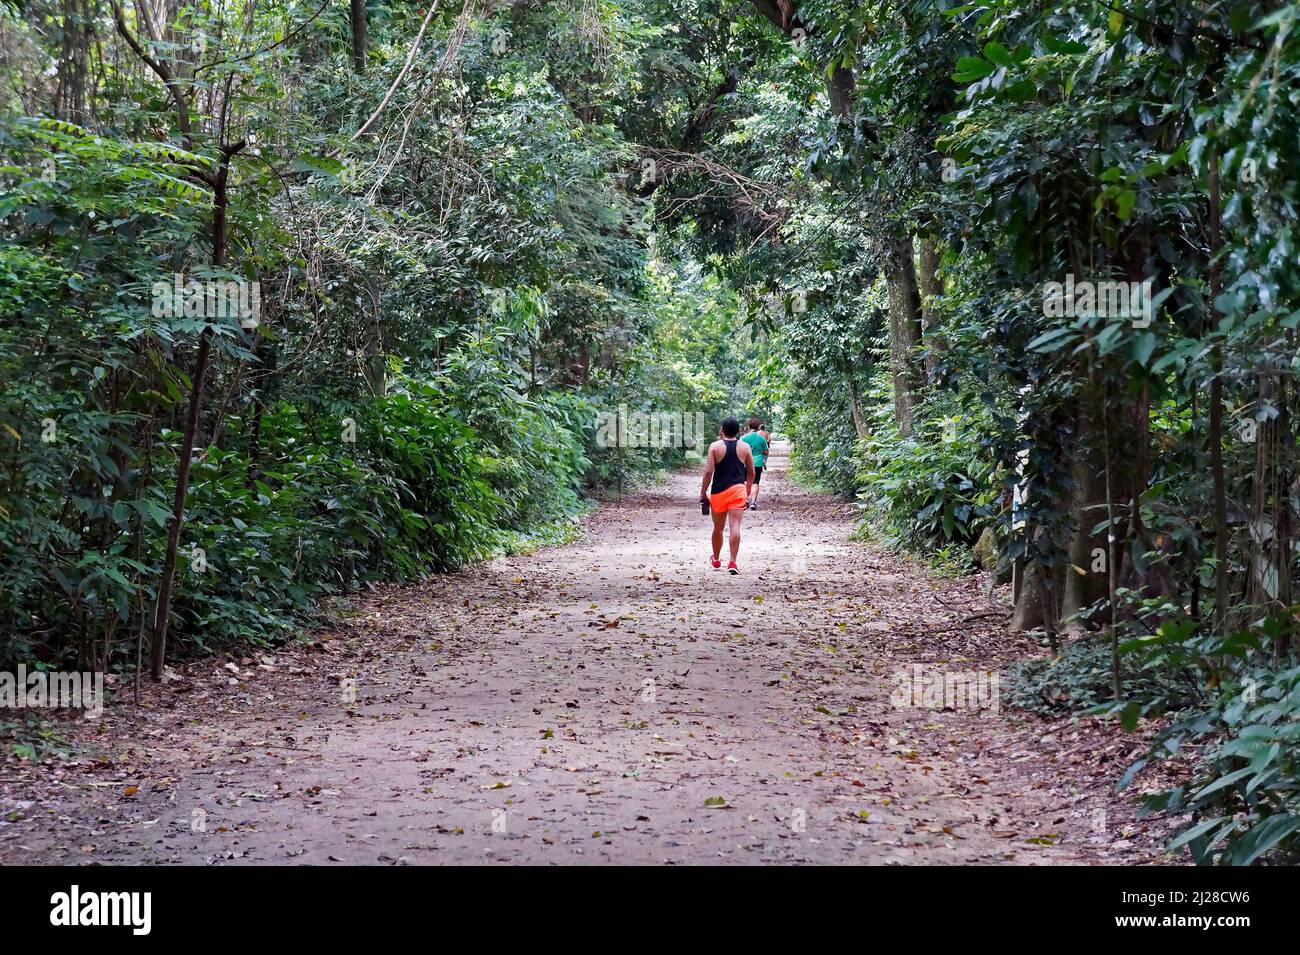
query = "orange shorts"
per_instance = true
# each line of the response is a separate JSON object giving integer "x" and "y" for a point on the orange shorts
{"x": 733, "y": 498}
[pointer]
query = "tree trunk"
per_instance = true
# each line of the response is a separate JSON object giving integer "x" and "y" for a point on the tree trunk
{"x": 1282, "y": 498}
{"x": 931, "y": 288}
{"x": 358, "y": 17}
{"x": 855, "y": 405}
{"x": 580, "y": 368}
{"x": 1112, "y": 561}
{"x": 1216, "y": 411}
{"x": 162, "y": 612}
{"x": 1269, "y": 577}
{"x": 839, "y": 90}
{"x": 1029, "y": 612}
{"x": 1110, "y": 465}
{"x": 77, "y": 35}
{"x": 904, "y": 330}
{"x": 376, "y": 358}
{"x": 839, "y": 78}
{"x": 1037, "y": 604}
{"x": 1087, "y": 571}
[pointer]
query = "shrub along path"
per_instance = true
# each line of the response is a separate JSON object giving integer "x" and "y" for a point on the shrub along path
{"x": 608, "y": 701}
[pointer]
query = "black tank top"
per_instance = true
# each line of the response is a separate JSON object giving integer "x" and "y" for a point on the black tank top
{"x": 730, "y": 470}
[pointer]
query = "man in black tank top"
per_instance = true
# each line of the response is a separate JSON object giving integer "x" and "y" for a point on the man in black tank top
{"x": 728, "y": 477}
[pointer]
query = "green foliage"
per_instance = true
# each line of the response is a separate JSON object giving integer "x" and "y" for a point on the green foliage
{"x": 822, "y": 452}
{"x": 570, "y": 210}
{"x": 1079, "y": 679}
{"x": 930, "y": 491}
{"x": 447, "y": 303}
{"x": 1027, "y": 143}
{"x": 1244, "y": 797}
{"x": 33, "y": 739}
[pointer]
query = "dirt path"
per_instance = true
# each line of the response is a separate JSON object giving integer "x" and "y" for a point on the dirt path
{"x": 594, "y": 703}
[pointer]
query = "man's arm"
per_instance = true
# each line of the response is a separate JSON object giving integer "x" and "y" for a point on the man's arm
{"x": 708, "y": 474}
{"x": 749, "y": 469}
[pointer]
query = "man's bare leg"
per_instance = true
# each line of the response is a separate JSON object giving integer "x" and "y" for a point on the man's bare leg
{"x": 733, "y": 536}
{"x": 719, "y": 521}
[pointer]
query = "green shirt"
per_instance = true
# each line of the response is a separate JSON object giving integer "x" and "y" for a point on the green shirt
{"x": 758, "y": 444}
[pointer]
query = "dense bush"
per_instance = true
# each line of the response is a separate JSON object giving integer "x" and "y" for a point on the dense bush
{"x": 306, "y": 513}
{"x": 422, "y": 387}
{"x": 932, "y": 492}
{"x": 1245, "y": 797}
{"x": 1243, "y": 727}
{"x": 1078, "y": 679}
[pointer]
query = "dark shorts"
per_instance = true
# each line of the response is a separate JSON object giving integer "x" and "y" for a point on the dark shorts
{"x": 758, "y": 474}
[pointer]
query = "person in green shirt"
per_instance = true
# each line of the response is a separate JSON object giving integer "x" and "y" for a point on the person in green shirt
{"x": 757, "y": 441}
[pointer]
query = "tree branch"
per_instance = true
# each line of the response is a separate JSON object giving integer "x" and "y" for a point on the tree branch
{"x": 164, "y": 73}
{"x": 410, "y": 58}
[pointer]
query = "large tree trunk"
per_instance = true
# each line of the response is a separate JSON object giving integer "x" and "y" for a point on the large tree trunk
{"x": 580, "y": 368}
{"x": 1029, "y": 612}
{"x": 931, "y": 288}
{"x": 1269, "y": 578}
{"x": 1037, "y": 601}
{"x": 77, "y": 35}
{"x": 1110, "y": 473}
{"x": 1088, "y": 562}
{"x": 375, "y": 352}
{"x": 1283, "y": 521}
{"x": 359, "y": 39}
{"x": 839, "y": 90}
{"x": 904, "y": 330}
